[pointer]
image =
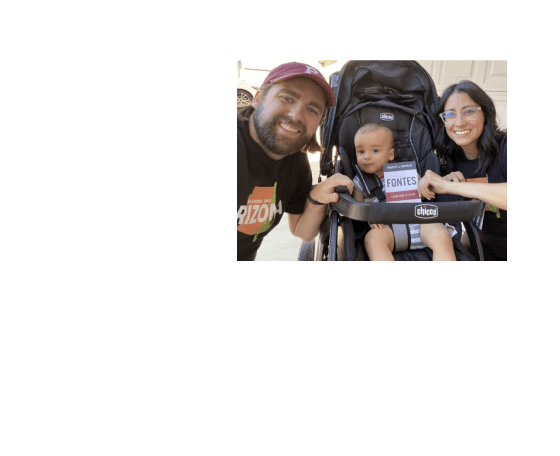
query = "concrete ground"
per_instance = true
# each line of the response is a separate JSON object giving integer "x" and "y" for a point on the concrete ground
{"x": 281, "y": 244}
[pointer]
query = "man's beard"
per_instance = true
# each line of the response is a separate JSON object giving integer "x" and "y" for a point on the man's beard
{"x": 269, "y": 138}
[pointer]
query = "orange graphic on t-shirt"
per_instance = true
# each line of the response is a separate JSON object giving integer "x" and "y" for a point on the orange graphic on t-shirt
{"x": 484, "y": 180}
{"x": 260, "y": 210}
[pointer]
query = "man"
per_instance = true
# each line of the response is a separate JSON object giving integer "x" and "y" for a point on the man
{"x": 273, "y": 173}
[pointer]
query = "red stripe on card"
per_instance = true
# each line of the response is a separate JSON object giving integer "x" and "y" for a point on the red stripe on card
{"x": 400, "y": 196}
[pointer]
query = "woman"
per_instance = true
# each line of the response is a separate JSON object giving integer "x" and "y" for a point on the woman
{"x": 471, "y": 143}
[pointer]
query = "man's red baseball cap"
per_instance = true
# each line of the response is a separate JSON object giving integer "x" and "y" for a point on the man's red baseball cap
{"x": 294, "y": 70}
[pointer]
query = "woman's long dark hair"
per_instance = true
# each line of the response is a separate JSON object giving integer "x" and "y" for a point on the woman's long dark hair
{"x": 489, "y": 140}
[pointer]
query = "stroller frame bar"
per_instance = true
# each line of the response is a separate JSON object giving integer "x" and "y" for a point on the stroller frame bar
{"x": 425, "y": 212}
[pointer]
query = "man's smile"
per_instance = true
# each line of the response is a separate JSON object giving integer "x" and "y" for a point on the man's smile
{"x": 288, "y": 128}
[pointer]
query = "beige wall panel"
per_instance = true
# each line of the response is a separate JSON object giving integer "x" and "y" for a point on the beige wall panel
{"x": 453, "y": 71}
{"x": 429, "y": 66}
{"x": 495, "y": 76}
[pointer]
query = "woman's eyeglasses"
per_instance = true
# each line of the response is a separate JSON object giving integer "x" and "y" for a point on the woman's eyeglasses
{"x": 468, "y": 114}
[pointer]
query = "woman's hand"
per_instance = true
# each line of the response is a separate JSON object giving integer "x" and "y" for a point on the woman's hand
{"x": 455, "y": 176}
{"x": 456, "y": 184}
{"x": 433, "y": 183}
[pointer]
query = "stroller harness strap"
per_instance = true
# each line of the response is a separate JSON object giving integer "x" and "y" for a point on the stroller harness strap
{"x": 371, "y": 184}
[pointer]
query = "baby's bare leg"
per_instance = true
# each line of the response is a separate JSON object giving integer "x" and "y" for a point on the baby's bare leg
{"x": 380, "y": 243}
{"x": 438, "y": 238}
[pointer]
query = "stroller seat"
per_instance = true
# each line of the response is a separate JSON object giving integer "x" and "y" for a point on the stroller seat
{"x": 400, "y": 95}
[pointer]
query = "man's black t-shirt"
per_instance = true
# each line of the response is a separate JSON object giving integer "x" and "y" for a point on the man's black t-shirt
{"x": 266, "y": 188}
{"x": 493, "y": 236}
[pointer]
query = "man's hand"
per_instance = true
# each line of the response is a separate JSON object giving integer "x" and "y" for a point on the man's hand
{"x": 324, "y": 191}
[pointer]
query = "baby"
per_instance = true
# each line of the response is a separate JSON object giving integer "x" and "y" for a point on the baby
{"x": 374, "y": 148}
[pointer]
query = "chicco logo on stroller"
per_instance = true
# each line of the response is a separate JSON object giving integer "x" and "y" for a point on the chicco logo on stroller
{"x": 426, "y": 211}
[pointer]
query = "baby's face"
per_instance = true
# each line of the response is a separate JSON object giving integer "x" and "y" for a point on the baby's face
{"x": 373, "y": 150}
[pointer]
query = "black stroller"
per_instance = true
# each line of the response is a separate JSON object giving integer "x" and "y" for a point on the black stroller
{"x": 402, "y": 96}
